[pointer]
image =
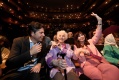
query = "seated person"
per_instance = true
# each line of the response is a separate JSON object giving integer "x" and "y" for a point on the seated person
{"x": 27, "y": 55}
{"x": 111, "y": 50}
{"x": 70, "y": 39}
{"x": 100, "y": 48}
{"x": 93, "y": 64}
{"x": 4, "y": 52}
{"x": 59, "y": 59}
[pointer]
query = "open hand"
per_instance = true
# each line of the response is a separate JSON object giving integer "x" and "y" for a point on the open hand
{"x": 95, "y": 15}
{"x": 36, "y": 68}
{"x": 35, "y": 49}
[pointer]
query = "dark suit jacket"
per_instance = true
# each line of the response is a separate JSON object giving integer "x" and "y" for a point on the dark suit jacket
{"x": 20, "y": 53}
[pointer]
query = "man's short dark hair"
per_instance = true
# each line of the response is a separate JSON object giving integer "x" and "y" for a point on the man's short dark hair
{"x": 34, "y": 27}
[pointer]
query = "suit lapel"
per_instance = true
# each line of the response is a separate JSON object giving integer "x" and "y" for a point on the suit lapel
{"x": 27, "y": 43}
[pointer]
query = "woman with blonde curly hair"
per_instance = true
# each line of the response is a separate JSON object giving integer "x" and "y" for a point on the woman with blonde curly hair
{"x": 59, "y": 59}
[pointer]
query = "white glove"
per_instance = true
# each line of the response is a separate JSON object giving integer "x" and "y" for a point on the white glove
{"x": 61, "y": 63}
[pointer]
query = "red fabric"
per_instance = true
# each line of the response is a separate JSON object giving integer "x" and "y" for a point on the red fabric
{"x": 96, "y": 57}
{"x": 111, "y": 29}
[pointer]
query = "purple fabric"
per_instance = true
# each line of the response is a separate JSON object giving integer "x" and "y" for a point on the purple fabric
{"x": 49, "y": 61}
{"x": 64, "y": 51}
{"x": 52, "y": 55}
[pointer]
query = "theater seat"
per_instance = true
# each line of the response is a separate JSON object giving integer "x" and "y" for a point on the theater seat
{"x": 99, "y": 47}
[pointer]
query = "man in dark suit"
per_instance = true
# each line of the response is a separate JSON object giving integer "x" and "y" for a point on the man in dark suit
{"x": 27, "y": 55}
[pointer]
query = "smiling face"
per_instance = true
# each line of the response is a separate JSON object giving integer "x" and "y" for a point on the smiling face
{"x": 81, "y": 37}
{"x": 38, "y": 35}
{"x": 61, "y": 36}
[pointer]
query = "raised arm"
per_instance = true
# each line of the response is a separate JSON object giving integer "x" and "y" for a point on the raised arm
{"x": 99, "y": 19}
{"x": 98, "y": 33}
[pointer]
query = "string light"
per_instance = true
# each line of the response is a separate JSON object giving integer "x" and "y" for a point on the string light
{"x": 43, "y": 12}
{"x": 1, "y": 4}
{"x": 116, "y": 5}
{"x": 106, "y": 2}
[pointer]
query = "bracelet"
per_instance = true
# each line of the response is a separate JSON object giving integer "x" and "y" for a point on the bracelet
{"x": 99, "y": 24}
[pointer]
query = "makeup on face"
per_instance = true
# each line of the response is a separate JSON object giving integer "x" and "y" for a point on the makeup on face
{"x": 81, "y": 37}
